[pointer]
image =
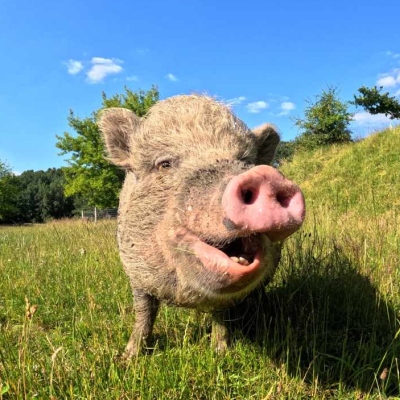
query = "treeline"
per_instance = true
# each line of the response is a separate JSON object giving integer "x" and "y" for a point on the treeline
{"x": 35, "y": 196}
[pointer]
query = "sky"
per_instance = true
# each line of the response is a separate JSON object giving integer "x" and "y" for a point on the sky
{"x": 268, "y": 59}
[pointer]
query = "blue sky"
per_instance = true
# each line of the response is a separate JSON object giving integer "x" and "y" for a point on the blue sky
{"x": 265, "y": 57}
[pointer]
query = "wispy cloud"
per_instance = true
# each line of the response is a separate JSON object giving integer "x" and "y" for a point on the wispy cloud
{"x": 102, "y": 67}
{"x": 364, "y": 118}
{"x": 132, "y": 78}
{"x": 393, "y": 54}
{"x": 171, "y": 77}
{"x": 235, "y": 101}
{"x": 286, "y": 107}
{"x": 74, "y": 66}
{"x": 390, "y": 79}
{"x": 386, "y": 81}
{"x": 257, "y": 106}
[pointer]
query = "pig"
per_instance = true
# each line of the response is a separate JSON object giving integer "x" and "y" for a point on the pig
{"x": 202, "y": 215}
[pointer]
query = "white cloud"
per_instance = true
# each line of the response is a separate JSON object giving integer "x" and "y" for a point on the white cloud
{"x": 386, "y": 81}
{"x": 74, "y": 66}
{"x": 257, "y": 106}
{"x": 286, "y": 107}
{"x": 397, "y": 93}
{"x": 390, "y": 79}
{"x": 171, "y": 77}
{"x": 102, "y": 67}
{"x": 392, "y": 54}
{"x": 132, "y": 78}
{"x": 364, "y": 118}
{"x": 235, "y": 101}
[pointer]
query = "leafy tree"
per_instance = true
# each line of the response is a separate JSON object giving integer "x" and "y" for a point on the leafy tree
{"x": 326, "y": 121}
{"x": 8, "y": 192}
{"x": 284, "y": 152}
{"x": 89, "y": 175}
{"x": 375, "y": 102}
{"x": 27, "y": 199}
{"x": 41, "y": 196}
{"x": 52, "y": 201}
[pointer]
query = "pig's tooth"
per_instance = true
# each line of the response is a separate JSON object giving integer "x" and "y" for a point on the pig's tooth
{"x": 243, "y": 261}
{"x": 240, "y": 260}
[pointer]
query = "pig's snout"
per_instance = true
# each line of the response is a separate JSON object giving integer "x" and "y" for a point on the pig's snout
{"x": 262, "y": 200}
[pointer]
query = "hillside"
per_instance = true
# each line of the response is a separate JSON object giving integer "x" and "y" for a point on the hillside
{"x": 353, "y": 204}
{"x": 361, "y": 177}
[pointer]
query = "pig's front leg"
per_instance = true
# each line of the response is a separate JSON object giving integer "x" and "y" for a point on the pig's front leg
{"x": 146, "y": 308}
{"x": 219, "y": 333}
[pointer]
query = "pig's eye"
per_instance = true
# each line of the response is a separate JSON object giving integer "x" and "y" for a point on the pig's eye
{"x": 162, "y": 163}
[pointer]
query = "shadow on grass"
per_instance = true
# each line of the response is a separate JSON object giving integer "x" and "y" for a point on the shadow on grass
{"x": 324, "y": 321}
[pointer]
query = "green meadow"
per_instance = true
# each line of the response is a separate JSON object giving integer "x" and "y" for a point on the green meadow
{"x": 326, "y": 327}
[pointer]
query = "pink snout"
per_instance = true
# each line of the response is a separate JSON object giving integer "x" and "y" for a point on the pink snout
{"x": 262, "y": 200}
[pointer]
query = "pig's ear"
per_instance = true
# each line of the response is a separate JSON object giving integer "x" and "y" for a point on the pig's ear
{"x": 267, "y": 140}
{"x": 117, "y": 125}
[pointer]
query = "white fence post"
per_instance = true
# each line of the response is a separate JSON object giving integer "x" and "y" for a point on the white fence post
{"x": 96, "y": 214}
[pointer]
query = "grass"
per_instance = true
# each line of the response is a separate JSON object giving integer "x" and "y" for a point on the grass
{"x": 326, "y": 327}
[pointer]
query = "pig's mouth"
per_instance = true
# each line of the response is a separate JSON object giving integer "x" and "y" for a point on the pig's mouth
{"x": 241, "y": 250}
{"x": 239, "y": 260}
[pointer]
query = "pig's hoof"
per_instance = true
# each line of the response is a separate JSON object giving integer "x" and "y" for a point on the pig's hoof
{"x": 131, "y": 351}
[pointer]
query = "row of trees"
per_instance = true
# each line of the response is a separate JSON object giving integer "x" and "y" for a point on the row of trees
{"x": 89, "y": 180}
{"x": 33, "y": 196}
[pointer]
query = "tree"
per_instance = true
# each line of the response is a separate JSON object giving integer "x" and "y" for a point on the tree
{"x": 41, "y": 196}
{"x": 27, "y": 200}
{"x": 375, "y": 102}
{"x": 8, "y": 193}
{"x": 89, "y": 175}
{"x": 53, "y": 203}
{"x": 284, "y": 152}
{"x": 326, "y": 121}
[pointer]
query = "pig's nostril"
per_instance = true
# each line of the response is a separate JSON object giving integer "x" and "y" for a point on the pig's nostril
{"x": 283, "y": 199}
{"x": 247, "y": 196}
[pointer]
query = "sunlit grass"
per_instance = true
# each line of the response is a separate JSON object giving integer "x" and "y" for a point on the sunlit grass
{"x": 326, "y": 327}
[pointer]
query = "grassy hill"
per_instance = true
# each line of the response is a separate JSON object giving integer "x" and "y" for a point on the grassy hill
{"x": 326, "y": 327}
{"x": 361, "y": 177}
{"x": 353, "y": 200}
